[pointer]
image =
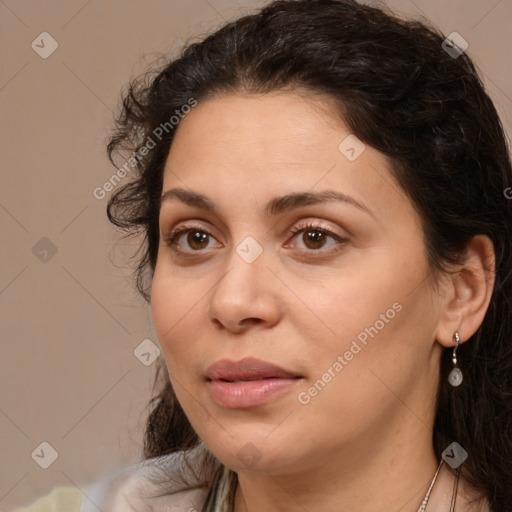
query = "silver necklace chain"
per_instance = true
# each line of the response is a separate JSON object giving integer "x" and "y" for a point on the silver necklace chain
{"x": 423, "y": 505}
{"x": 222, "y": 501}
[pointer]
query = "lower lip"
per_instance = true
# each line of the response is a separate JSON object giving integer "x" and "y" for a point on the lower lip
{"x": 251, "y": 393}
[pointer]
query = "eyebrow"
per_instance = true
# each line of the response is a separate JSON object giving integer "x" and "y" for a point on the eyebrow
{"x": 276, "y": 205}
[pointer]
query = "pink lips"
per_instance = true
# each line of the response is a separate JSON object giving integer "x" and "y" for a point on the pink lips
{"x": 247, "y": 383}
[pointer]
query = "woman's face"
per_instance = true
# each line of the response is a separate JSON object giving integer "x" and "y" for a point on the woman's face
{"x": 302, "y": 252}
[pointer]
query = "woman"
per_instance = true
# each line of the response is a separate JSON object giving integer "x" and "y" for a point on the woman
{"x": 323, "y": 193}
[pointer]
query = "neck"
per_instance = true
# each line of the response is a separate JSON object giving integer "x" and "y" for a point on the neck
{"x": 366, "y": 477}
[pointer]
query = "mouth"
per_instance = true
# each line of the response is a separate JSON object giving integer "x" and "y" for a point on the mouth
{"x": 247, "y": 383}
{"x": 247, "y": 369}
{"x": 245, "y": 378}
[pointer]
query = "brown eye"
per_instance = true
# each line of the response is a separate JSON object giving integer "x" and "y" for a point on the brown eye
{"x": 197, "y": 239}
{"x": 314, "y": 239}
{"x": 189, "y": 240}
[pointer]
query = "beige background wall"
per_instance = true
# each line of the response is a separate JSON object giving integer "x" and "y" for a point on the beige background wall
{"x": 70, "y": 321}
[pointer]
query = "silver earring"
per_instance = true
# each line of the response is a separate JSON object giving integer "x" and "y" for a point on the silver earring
{"x": 455, "y": 376}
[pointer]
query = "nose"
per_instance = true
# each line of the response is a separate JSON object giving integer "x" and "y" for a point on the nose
{"x": 245, "y": 296}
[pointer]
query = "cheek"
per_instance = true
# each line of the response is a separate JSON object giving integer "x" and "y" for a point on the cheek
{"x": 376, "y": 317}
{"x": 175, "y": 305}
{"x": 359, "y": 304}
{"x": 357, "y": 377}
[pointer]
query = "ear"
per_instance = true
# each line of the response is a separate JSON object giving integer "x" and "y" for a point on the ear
{"x": 468, "y": 292}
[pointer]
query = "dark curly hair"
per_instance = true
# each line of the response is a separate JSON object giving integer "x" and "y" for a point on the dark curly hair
{"x": 400, "y": 92}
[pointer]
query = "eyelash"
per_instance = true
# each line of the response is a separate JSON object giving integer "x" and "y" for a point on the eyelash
{"x": 174, "y": 235}
{"x": 315, "y": 227}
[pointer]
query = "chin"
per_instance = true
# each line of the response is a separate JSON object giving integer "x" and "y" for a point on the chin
{"x": 252, "y": 450}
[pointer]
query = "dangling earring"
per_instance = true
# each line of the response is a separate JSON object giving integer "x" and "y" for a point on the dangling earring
{"x": 455, "y": 376}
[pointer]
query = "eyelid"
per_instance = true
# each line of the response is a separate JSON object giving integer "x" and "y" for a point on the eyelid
{"x": 315, "y": 225}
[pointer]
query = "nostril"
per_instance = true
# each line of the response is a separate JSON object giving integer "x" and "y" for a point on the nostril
{"x": 217, "y": 324}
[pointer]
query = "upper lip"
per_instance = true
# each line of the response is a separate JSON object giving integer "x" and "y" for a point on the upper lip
{"x": 248, "y": 368}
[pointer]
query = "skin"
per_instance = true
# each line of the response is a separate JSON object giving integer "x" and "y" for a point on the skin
{"x": 364, "y": 441}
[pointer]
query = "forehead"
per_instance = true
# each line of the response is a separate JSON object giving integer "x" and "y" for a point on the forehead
{"x": 241, "y": 147}
{"x": 253, "y": 132}
{"x": 283, "y": 124}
